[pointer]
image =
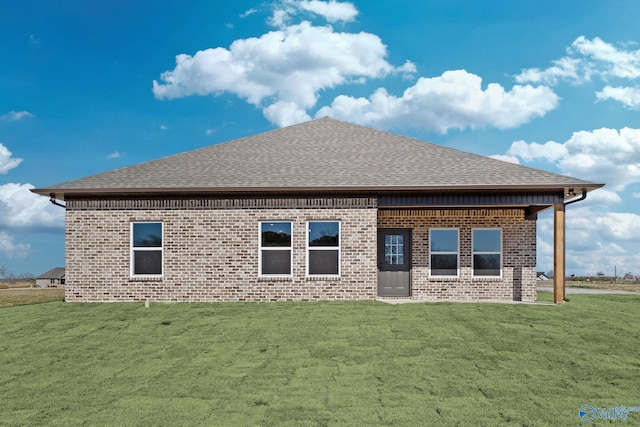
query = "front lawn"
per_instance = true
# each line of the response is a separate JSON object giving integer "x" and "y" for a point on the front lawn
{"x": 316, "y": 363}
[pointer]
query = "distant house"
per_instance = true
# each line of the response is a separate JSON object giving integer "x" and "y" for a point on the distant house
{"x": 323, "y": 210}
{"x": 542, "y": 276}
{"x": 51, "y": 279}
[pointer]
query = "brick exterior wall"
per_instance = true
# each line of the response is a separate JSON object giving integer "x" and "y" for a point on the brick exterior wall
{"x": 518, "y": 281}
{"x": 211, "y": 250}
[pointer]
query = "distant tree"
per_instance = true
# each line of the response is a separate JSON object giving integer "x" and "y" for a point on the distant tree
{"x": 3, "y": 272}
{"x": 550, "y": 274}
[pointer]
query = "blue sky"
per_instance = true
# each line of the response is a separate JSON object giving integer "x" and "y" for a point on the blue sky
{"x": 87, "y": 87}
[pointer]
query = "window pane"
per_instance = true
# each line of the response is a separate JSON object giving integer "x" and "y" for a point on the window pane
{"x": 276, "y": 262}
{"x": 486, "y": 265}
{"x": 324, "y": 234}
{"x": 147, "y": 234}
{"x": 276, "y": 234}
{"x": 323, "y": 262}
{"x": 147, "y": 262}
{"x": 486, "y": 240}
{"x": 394, "y": 249}
{"x": 444, "y": 240}
{"x": 444, "y": 265}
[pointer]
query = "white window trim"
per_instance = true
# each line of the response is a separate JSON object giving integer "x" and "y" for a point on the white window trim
{"x": 274, "y": 248}
{"x": 132, "y": 249}
{"x": 473, "y": 268}
{"x": 440, "y": 276}
{"x": 325, "y": 248}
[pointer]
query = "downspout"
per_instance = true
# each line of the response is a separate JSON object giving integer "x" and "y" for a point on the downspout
{"x": 579, "y": 199}
{"x": 55, "y": 202}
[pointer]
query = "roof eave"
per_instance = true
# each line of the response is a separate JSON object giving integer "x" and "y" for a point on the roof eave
{"x": 569, "y": 189}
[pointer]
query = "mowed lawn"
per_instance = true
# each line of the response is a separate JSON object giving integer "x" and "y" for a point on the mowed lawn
{"x": 318, "y": 363}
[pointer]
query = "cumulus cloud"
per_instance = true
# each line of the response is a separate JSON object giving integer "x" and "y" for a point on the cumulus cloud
{"x": 562, "y": 69}
{"x": 16, "y": 115}
{"x": 504, "y": 158}
{"x": 587, "y": 58}
{"x": 550, "y": 150}
{"x": 282, "y": 69}
{"x": 10, "y": 249}
{"x": 332, "y": 11}
{"x": 20, "y": 208}
{"x": 628, "y": 96}
{"x": 608, "y": 60}
{"x": 114, "y": 155}
{"x": 597, "y": 240}
{"x": 7, "y": 161}
{"x": 602, "y": 155}
{"x": 454, "y": 100}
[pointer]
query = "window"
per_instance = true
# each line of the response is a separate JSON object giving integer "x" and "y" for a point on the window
{"x": 443, "y": 245}
{"x": 275, "y": 249}
{"x": 394, "y": 249}
{"x": 323, "y": 248}
{"x": 487, "y": 252}
{"x": 146, "y": 249}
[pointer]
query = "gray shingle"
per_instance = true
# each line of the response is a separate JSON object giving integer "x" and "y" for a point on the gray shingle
{"x": 319, "y": 155}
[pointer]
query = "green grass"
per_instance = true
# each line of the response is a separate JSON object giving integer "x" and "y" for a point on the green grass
{"x": 350, "y": 363}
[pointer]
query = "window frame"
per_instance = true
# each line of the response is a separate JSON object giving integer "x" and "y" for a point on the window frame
{"x": 473, "y": 253}
{"x": 457, "y": 253}
{"x": 324, "y": 248}
{"x": 133, "y": 249}
{"x": 275, "y": 248}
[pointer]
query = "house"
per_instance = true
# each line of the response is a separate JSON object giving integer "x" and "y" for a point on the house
{"x": 542, "y": 276}
{"x": 51, "y": 279}
{"x": 323, "y": 210}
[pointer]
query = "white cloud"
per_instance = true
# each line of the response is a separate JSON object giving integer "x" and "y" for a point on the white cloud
{"x": 20, "y": 208}
{"x": 602, "y": 155}
{"x": 332, "y": 11}
{"x": 454, "y": 100}
{"x": 629, "y": 96}
{"x": 164, "y": 127}
{"x": 11, "y": 249}
{"x": 586, "y": 58}
{"x": 562, "y": 69}
{"x": 596, "y": 241}
{"x": 7, "y": 162}
{"x": 288, "y": 67}
{"x": 17, "y": 115}
{"x": 607, "y": 59}
{"x": 285, "y": 113}
{"x": 114, "y": 155}
{"x": 550, "y": 150}
{"x": 510, "y": 159}
{"x": 248, "y": 12}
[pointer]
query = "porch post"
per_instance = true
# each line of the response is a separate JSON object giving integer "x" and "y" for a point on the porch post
{"x": 558, "y": 253}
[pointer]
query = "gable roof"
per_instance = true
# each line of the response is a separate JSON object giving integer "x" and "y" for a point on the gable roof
{"x": 55, "y": 273}
{"x": 321, "y": 155}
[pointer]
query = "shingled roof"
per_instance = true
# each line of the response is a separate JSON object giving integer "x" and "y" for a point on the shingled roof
{"x": 323, "y": 155}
